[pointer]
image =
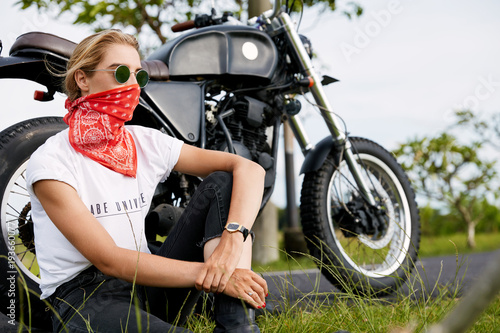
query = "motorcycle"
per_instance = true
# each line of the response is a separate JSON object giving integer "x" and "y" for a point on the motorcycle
{"x": 227, "y": 86}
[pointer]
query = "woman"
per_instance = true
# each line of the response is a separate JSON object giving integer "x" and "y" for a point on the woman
{"x": 91, "y": 186}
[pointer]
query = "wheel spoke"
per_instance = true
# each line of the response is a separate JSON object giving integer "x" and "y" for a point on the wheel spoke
{"x": 13, "y": 208}
{"x": 21, "y": 193}
{"x": 25, "y": 220}
{"x": 14, "y": 220}
{"x": 21, "y": 186}
{"x": 30, "y": 267}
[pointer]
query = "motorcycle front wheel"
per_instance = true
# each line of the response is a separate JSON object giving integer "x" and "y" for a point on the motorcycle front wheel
{"x": 357, "y": 251}
{"x": 19, "y": 272}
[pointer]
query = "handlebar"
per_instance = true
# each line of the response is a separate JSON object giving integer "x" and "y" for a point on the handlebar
{"x": 183, "y": 26}
{"x": 276, "y": 9}
{"x": 207, "y": 20}
{"x": 201, "y": 21}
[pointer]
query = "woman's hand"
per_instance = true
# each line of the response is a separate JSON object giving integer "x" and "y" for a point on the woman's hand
{"x": 219, "y": 267}
{"x": 248, "y": 286}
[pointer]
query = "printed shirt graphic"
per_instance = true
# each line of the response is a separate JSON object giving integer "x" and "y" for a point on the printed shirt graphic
{"x": 120, "y": 203}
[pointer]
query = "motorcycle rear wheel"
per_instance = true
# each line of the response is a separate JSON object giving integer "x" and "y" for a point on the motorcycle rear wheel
{"x": 364, "y": 263}
{"x": 19, "y": 272}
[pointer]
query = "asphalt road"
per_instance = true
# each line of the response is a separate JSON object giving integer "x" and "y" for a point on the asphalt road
{"x": 446, "y": 271}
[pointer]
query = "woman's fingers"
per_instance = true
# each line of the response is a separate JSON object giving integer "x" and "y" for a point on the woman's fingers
{"x": 222, "y": 262}
{"x": 247, "y": 286}
{"x": 263, "y": 286}
{"x": 256, "y": 298}
{"x": 243, "y": 284}
{"x": 208, "y": 280}
{"x": 200, "y": 279}
{"x": 257, "y": 292}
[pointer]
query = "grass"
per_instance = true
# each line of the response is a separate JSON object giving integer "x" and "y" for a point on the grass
{"x": 445, "y": 245}
{"x": 356, "y": 314}
{"x": 402, "y": 314}
{"x": 397, "y": 314}
{"x": 374, "y": 317}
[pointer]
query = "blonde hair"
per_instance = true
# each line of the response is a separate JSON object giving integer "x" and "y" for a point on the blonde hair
{"x": 89, "y": 53}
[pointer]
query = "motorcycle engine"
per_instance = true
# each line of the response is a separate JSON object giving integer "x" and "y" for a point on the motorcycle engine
{"x": 246, "y": 122}
{"x": 243, "y": 123}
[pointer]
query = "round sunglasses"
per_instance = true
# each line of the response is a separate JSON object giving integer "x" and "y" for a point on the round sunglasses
{"x": 122, "y": 74}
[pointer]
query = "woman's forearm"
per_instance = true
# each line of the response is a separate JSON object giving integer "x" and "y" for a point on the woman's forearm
{"x": 248, "y": 179}
{"x": 149, "y": 269}
{"x": 248, "y": 187}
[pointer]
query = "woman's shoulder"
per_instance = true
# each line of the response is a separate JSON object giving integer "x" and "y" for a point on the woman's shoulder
{"x": 56, "y": 149}
{"x": 52, "y": 160}
{"x": 58, "y": 143}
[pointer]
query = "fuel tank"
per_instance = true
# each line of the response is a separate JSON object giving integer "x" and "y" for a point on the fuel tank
{"x": 229, "y": 51}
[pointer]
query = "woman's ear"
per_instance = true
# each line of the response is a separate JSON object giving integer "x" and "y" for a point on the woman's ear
{"x": 81, "y": 80}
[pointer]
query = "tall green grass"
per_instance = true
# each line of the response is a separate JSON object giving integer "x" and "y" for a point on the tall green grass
{"x": 349, "y": 312}
{"x": 328, "y": 312}
{"x": 409, "y": 312}
{"x": 371, "y": 316}
{"x": 399, "y": 313}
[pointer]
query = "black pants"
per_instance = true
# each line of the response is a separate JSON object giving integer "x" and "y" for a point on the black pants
{"x": 105, "y": 304}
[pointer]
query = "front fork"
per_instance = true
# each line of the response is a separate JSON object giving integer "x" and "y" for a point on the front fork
{"x": 331, "y": 120}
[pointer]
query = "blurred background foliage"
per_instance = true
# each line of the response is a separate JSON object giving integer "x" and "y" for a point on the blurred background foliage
{"x": 150, "y": 20}
{"x": 455, "y": 177}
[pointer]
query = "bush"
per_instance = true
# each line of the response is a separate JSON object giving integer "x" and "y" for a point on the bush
{"x": 435, "y": 222}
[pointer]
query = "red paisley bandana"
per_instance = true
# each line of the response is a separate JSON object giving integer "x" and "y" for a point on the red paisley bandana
{"x": 96, "y": 127}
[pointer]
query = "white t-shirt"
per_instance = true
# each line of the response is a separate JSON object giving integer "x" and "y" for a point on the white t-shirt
{"x": 118, "y": 202}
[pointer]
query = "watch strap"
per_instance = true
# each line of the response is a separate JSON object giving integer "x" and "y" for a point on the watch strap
{"x": 240, "y": 228}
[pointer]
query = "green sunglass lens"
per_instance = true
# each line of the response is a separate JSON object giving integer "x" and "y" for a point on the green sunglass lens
{"x": 122, "y": 74}
{"x": 142, "y": 78}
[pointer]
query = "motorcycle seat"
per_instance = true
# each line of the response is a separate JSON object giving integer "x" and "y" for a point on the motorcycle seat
{"x": 28, "y": 42}
{"x": 157, "y": 69}
{"x": 43, "y": 41}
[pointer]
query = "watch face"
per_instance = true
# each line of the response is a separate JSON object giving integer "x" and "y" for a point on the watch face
{"x": 232, "y": 226}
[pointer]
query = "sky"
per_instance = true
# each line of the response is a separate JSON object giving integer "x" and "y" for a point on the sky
{"x": 404, "y": 66}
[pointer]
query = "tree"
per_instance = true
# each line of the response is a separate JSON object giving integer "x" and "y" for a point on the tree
{"x": 486, "y": 130}
{"x": 154, "y": 17}
{"x": 451, "y": 174}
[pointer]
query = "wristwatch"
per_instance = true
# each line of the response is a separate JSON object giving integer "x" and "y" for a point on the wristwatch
{"x": 235, "y": 226}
